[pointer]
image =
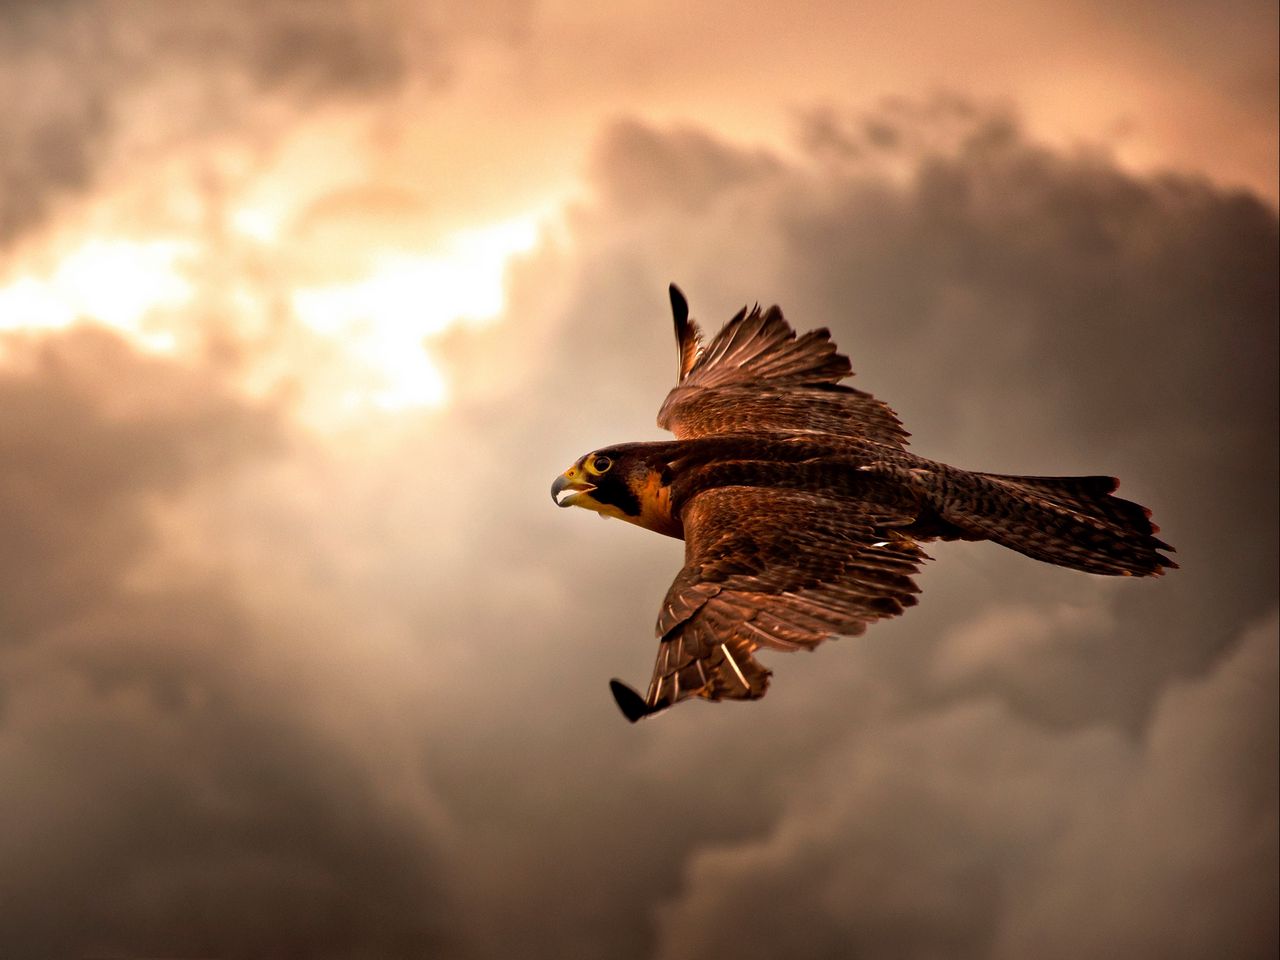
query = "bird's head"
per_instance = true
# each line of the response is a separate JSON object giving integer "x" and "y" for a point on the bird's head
{"x": 630, "y": 481}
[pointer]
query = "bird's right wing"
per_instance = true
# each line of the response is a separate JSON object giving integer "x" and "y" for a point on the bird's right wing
{"x": 757, "y": 376}
{"x": 764, "y": 567}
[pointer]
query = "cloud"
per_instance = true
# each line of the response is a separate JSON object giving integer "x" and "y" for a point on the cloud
{"x": 108, "y": 83}
{"x": 685, "y": 168}
{"x": 1195, "y": 814}
{"x": 971, "y": 833}
{"x": 346, "y": 694}
{"x": 172, "y": 784}
{"x": 85, "y": 457}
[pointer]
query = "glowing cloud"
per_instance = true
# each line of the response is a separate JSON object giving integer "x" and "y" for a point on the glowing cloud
{"x": 111, "y": 281}
{"x": 362, "y": 341}
{"x": 383, "y": 318}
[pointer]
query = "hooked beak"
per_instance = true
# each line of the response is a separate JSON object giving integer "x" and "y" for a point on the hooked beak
{"x": 572, "y": 479}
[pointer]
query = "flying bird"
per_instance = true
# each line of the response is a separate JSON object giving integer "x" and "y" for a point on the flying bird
{"x": 803, "y": 512}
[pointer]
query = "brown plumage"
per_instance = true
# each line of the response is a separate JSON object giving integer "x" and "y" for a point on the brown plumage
{"x": 802, "y": 511}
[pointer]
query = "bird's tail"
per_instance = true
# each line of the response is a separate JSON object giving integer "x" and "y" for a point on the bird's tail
{"x": 1069, "y": 521}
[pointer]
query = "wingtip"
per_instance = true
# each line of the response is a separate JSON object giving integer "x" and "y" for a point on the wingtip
{"x": 679, "y": 305}
{"x": 629, "y": 701}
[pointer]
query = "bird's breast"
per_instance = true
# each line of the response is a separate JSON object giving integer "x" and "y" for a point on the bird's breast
{"x": 655, "y": 507}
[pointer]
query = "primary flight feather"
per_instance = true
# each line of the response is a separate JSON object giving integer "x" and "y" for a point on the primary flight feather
{"x": 803, "y": 512}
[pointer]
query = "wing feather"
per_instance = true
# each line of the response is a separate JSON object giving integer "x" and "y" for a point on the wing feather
{"x": 772, "y": 568}
{"x": 757, "y": 376}
{"x": 688, "y": 336}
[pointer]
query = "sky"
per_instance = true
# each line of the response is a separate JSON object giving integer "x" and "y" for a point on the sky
{"x": 303, "y": 306}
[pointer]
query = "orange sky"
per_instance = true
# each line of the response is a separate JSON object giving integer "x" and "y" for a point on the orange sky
{"x": 325, "y": 167}
{"x": 303, "y": 305}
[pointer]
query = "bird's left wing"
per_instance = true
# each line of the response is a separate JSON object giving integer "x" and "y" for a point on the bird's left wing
{"x": 770, "y": 568}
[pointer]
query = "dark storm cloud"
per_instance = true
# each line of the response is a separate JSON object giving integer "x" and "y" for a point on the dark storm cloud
{"x": 968, "y": 832}
{"x": 167, "y": 787}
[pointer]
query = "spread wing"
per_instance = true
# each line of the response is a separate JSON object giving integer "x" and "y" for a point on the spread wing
{"x": 770, "y": 568}
{"x": 757, "y": 376}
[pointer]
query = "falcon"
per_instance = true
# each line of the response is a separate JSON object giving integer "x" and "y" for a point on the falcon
{"x": 802, "y": 511}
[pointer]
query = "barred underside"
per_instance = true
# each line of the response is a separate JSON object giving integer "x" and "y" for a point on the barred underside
{"x": 773, "y": 568}
{"x": 1072, "y": 522}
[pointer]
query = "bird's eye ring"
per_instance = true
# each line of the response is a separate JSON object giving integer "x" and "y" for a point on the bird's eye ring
{"x": 601, "y": 464}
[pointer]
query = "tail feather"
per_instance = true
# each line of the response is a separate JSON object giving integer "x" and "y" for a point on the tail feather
{"x": 1073, "y": 522}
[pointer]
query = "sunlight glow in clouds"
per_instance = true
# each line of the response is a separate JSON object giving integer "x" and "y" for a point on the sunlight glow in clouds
{"x": 115, "y": 282}
{"x": 374, "y": 327}
{"x": 383, "y": 318}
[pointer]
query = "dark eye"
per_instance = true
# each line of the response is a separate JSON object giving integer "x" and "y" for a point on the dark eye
{"x": 601, "y": 464}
